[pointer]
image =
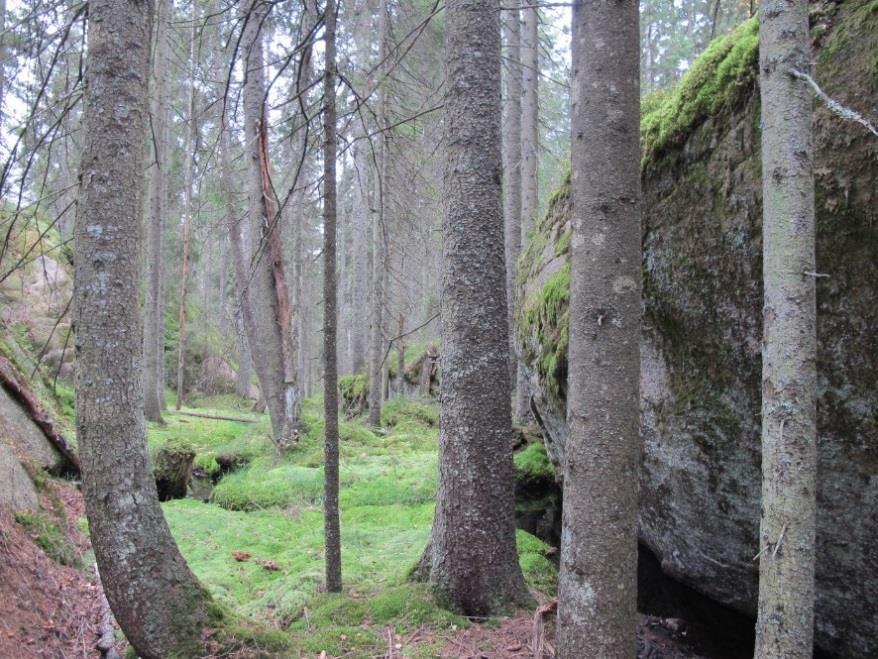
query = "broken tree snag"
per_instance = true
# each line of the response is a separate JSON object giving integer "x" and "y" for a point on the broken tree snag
{"x": 17, "y": 387}
{"x": 428, "y": 368}
{"x": 275, "y": 247}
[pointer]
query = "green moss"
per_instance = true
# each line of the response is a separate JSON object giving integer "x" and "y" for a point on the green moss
{"x": 533, "y": 463}
{"x": 539, "y": 571}
{"x": 546, "y": 315}
{"x": 48, "y": 536}
{"x": 562, "y": 245}
{"x": 406, "y": 412}
{"x": 353, "y": 387}
{"x": 718, "y": 80}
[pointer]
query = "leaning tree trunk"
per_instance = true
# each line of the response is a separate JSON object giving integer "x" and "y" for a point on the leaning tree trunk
{"x": 471, "y": 560}
{"x": 785, "y": 624}
{"x": 331, "y": 526}
{"x": 530, "y": 145}
{"x": 154, "y": 319}
{"x": 267, "y": 345}
{"x": 512, "y": 170}
{"x": 598, "y": 582}
{"x": 157, "y": 601}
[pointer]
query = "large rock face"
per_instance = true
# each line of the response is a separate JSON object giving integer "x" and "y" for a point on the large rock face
{"x": 700, "y": 357}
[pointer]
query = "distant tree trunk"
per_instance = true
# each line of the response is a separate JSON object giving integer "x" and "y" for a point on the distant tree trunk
{"x": 512, "y": 172}
{"x": 242, "y": 382}
{"x": 400, "y": 355}
{"x": 157, "y": 601}
{"x": 379, "y": 251}
{"x": 530, "y": 154}
{"x": 331, "y": 523}
{"x": 267, "y": 341}
{"x": 3, "y": 40}
{"x": 598, "y": 581}
{"x": 471, "y": 560}
{"x": 188, "y": 208}
{"x": 785, "y": 624}
{"x": 713, "y": 19}
{"x": 154, "y": 316}
{"x": 360, "y": 254}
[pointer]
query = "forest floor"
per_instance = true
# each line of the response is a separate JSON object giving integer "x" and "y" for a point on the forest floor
{"x": 252, "y": 532}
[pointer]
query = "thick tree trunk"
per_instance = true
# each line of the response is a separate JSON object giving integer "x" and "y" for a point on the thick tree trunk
{"x": 785, "y": 624}
{"x": 379, "y": 246}
{"x": 598, "y": 582}
{"x": 154, "y": 318}
{"x": 472, "y": 558}
{"x": 267, "y": 342}
{"x": 512, "y": 172}
{"x": 530, "y": 146}
{"x": 188, "y": 209}
{"x": 155, "y": 598}
{"x": 331, "y": 524}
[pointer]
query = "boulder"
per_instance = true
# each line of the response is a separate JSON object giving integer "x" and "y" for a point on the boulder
{"x": 700, "y": 355}
{"x": 17, "y": 491}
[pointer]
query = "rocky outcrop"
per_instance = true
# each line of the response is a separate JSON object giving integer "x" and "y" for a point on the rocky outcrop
{"x": 700, "y": 356}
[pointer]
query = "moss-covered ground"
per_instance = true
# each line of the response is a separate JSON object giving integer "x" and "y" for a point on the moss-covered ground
{"x": 258, "y": 543}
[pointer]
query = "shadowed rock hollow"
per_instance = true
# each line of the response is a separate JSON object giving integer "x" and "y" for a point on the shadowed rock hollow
{"x": 700, "y": 356}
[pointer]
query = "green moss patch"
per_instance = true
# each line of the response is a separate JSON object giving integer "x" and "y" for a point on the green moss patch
{"x": 532, "y": 463}
{"x": 718, "y": 80}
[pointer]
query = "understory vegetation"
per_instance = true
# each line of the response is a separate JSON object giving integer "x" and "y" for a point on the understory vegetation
{"x": 255, "y": 539}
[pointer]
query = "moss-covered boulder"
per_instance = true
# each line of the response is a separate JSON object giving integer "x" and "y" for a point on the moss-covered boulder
{"x": 701, "y": 349}
{"x": 354, "y": 392}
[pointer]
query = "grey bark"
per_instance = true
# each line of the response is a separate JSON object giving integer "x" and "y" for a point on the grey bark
{"x": 242, "y": 381}
{"x": 512, "y": 170}
{"x": 471, "y": 559}
{"x": 598, "y": 577}
{"x": 154, "y": 317}
{"x": 785, "y": 626}
{"x": 331, "y": 525}
{"x": 266, "y": 340}
{"x": 379, "y": 246}
{"x": 530, "y": 145}
{"x": 155, "y": 598}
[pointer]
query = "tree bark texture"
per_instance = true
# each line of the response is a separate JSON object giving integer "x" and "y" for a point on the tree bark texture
{"x": 154, "y": 320}
{"x": 473, "y": 563}
{"x": 789, "y": 373}
{"x": 155, "y": 598}
{"x": 512, "y": 169}
{"x": 598, "y": 578}
{"x": 331, "y": 525}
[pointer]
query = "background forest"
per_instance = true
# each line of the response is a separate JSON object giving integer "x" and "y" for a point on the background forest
{"x": 297, "y": 274}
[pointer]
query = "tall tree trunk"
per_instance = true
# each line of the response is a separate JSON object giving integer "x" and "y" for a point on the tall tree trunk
{"x": 268, "y": 346}
{"x": 331, "y": 523}
{"x": 242, "y": 381}
{"x": 379, "y": 243}
{"x": 512, "y": 172}
{"x": 789, "y": 374}
{"x": 188, "y": 207}
{"x": 598, "y": 581}
{"x": 400, "y": 355}
{"x": 360, "y": 253}
{"x": 154, "y": 317}
{"x": 157, "y": 601}
{"x": 471, "y": 559}
{"x": 530, "y": 147}
{"x": 3, "y": 40}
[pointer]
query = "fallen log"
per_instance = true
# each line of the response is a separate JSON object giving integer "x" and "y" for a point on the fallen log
{"x": 217, "y": 417}
{"x": 17, "y": 387}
